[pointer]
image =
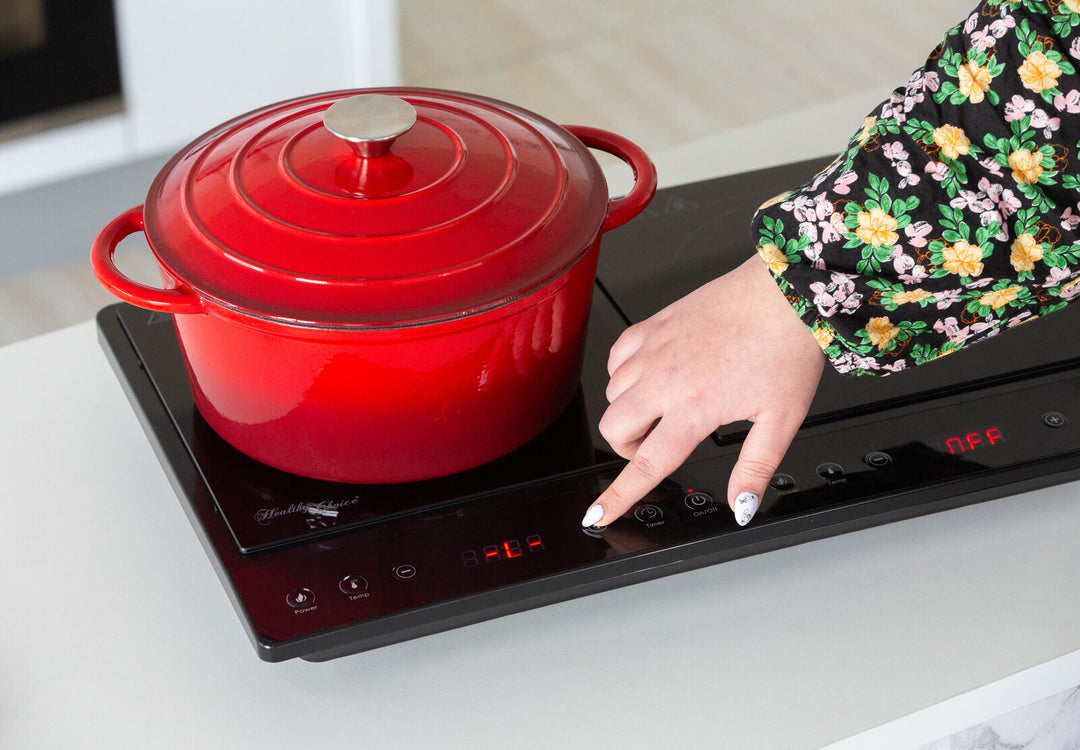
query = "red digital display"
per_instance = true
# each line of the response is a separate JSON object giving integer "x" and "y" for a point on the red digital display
{"x": 507, "y": 549}
{"x": 966, "y": 442}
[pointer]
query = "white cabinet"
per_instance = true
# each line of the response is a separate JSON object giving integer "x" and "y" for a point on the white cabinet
{"x": 187, "y": 65}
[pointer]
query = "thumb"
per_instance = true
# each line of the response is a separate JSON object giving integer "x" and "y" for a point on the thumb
{"x": 761, "y": 454}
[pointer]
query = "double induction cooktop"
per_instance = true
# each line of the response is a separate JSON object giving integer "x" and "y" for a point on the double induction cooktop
{"x": 319, "y": 570}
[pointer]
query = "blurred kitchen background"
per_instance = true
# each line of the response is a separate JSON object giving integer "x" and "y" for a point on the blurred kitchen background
{"x": 96, "y": 95}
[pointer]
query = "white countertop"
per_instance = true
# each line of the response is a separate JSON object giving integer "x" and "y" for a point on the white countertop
{"x": 115, "y": 631}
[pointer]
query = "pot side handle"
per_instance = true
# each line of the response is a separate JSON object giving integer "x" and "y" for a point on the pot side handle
{"x": 622, "y": 210}
{"x": 176, "y": 300}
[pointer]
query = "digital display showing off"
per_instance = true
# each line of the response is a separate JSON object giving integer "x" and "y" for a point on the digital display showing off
{"x": 503, "y": 549}
{"x": 968, "y": 441}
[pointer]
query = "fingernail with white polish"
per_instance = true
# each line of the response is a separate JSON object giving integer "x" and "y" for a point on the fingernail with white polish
{"x": 746, "y": 505}
{"x": 592, "y": 515}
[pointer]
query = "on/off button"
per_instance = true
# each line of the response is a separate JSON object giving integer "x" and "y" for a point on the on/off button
{"x": 697, "y": 500}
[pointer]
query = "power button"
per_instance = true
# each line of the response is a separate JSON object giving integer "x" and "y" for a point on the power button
{"x": 300, "y": 598}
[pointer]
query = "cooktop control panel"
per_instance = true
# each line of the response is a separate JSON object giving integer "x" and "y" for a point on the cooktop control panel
{"x": 346, "y": 587}
{"x": 835, "y": 479}
{"x": 529, "y": 541}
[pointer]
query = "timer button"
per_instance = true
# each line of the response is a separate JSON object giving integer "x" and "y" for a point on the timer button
{"x": 648, "y": 513}
{"x": 300, "y": 598}
{"x": 1054, "y": 419}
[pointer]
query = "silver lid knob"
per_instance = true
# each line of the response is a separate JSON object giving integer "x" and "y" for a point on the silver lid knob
{"x": 369, "y": 122}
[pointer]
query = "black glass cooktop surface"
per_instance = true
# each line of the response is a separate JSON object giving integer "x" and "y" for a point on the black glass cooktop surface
{"x": 320, "y": 569}
{"x": 265, "y": 507}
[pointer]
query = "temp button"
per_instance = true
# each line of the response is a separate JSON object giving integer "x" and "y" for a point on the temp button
{"x": 830, "y": 471}
{"x": 353, "y": 585}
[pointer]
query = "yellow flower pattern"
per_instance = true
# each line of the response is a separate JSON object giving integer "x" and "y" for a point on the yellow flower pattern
{"x": 881, "y": 331}
{"x": 1025, "y": 253}
{"x": 824, "y": 336}
{"x": 877, "y": 228}
{"x": 955, "y": 209}
{"x": 963, "y": 259}
{"x": 774, "y": 259}
{"x": 999, "y": 297}
{"x": 864, "y": 134}
{"x": 974, "y": 82}
{"x": 1038, "y": 73}
{"x": 952, "y": 140}
{"x": 1026, "y": 166}
{"x": 905, "y": 298}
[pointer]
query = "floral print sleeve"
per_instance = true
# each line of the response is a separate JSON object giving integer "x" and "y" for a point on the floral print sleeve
{"x": 954, "y": 212}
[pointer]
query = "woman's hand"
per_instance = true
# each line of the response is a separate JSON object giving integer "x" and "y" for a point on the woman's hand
{"x": 732, "y": 350}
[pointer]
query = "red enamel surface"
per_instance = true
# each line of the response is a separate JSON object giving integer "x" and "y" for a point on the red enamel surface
{"x": 385, "y": 319}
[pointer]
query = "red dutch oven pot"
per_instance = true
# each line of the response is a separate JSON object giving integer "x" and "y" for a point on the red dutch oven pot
{"x": 380, "y": 286}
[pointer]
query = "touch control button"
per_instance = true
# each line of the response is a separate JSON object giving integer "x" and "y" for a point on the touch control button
{"x": 353, "y": 585}
{"x": 782, "y": 482}
{"x": 300, "y": 598}
{"x": 648, "y": 513}
{"x": 830, "y": 470}
{"x": 1054, "y": 419}
{"x": 405, "y": 572}
{"x": 697, "y": 500}
{"x": 877, "y": 459}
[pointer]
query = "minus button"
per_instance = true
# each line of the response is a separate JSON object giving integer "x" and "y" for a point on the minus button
{"x": 405, "y": 572}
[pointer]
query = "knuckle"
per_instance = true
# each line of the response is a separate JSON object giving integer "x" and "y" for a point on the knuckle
{"x": 756, "y": 470}
{"x": 608, "y": 427}
{"x": 645, "y": 467}
{"x": 615, "y": 385}
{"x": 695, "y": 416}
{"x": 627, "y": 343}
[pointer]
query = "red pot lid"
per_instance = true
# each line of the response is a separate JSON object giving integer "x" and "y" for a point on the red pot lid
{"x": 387, "y": 221}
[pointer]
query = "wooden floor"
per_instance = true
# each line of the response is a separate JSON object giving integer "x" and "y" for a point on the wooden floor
{"x": 660, "y": 72}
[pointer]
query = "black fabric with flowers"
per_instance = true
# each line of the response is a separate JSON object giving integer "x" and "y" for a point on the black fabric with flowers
{"x": 954, "y": 212}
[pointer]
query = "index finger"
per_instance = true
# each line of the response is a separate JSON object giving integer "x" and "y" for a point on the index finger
{"x": 660, "y": 453}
